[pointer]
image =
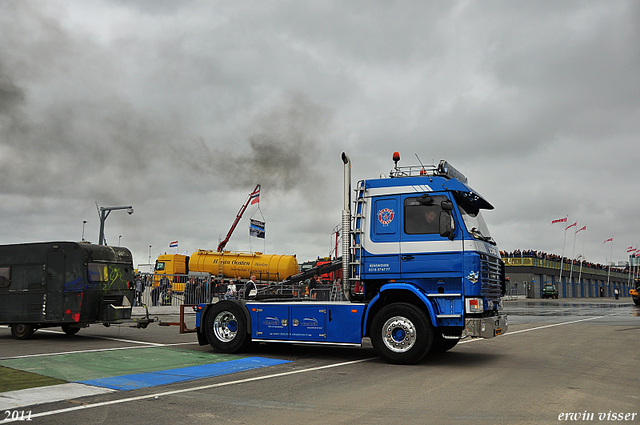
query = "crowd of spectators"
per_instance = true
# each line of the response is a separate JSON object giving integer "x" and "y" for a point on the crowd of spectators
{"x": 554, "y": 257}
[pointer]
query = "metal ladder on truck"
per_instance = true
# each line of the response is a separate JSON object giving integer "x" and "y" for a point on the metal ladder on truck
{"x": 357, "y": 233}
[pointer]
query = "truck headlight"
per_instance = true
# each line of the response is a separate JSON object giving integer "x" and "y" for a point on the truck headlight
{"x": 474, "y": 305}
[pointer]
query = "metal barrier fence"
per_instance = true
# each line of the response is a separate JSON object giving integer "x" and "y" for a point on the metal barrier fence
{"x": 566, "y": 267}
{"x": 175, "y": 290}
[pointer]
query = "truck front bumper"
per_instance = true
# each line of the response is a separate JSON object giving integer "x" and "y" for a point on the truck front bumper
{"x": 485, "y": 327}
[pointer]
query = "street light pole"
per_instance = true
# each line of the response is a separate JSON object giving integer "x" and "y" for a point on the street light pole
{"x": 104, "y": 213}
{"x": 83, "y": 223}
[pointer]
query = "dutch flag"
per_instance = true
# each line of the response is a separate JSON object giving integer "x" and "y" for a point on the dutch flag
{"x": 173, "y": 244}
{"x": 255, "y": 196}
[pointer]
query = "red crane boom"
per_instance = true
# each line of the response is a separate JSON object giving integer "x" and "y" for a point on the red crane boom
{"x": 251, "y": 196}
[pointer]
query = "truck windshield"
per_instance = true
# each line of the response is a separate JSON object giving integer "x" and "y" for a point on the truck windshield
{"x": 475, "y": 223}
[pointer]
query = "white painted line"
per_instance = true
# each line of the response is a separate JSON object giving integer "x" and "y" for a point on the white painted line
{"x": 536, "y": 328}
{"x": 187, "y": 390}
{"x": 14, "y": 399}
{"x": 108, "y": 338}
{"x": 26, "y": 356}
{"x": 96, "y": 350}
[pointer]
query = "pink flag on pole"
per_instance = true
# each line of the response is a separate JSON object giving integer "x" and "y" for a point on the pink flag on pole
{"x": 560, "y": 220}
{"x": 571, "y": 225}
{"x": 608, "y": 240}
{"x": 581, "y": 229}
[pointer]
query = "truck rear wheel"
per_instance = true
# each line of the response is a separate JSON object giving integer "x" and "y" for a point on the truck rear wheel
{"x": 22, "y": 330}
{"x": 226, "y": 327}
{"x": 401, "y": 333}
{"x": 70, "y": 330}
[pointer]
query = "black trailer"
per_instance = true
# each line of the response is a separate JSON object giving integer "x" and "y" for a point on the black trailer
{"x": 65, "y": 284}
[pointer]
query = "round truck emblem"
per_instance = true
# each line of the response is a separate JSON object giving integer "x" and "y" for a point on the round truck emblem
{"x": 385, "y": 216}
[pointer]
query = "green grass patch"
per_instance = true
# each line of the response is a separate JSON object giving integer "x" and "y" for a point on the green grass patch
{"x": 13, "y": 379}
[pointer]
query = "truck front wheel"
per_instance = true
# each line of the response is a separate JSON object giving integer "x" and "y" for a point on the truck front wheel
{"x": 226, "y": 327}
{"x": 401, "y": 333}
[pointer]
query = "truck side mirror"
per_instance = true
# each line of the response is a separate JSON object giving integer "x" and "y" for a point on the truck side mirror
{"x": 446, "y": 205}
{"x": 447, "y": 225}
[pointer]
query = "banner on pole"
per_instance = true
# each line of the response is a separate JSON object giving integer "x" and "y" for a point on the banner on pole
{"x": 256, "y": 228}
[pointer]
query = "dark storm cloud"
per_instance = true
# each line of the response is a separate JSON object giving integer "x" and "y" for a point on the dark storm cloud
{"x": 180, "y": 108}
{"x": 83, "y": 141}
{"x": 283, "y": 141}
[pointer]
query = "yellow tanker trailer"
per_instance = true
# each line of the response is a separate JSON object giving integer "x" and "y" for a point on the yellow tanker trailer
{"x": 273, "y": 268}
{"x": 227, "y": 264}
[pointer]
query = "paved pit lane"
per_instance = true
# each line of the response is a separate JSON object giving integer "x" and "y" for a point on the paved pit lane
{"x": 559, "y": 359}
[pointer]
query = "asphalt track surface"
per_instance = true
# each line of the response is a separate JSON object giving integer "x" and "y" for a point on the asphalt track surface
{"x": 561, "y": 360}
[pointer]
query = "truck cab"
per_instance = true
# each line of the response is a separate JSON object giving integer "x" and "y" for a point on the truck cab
{"x": 419, "y": 234}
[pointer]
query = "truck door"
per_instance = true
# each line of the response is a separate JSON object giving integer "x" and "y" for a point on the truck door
{"x": 54, "y": 279}
{"x": 383, "y": 253}
{"x": 424, "y": 254}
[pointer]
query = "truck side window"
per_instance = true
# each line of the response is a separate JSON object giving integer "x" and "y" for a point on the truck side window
{"x": 422, "y": 216}
{"x": 97, "y": 272}
{"x": 5, "y": 277}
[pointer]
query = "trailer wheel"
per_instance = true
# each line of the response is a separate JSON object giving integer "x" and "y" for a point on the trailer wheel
{"x": 22, "y": 330}
{"x": 226, "y": 328}
{"x": 401, "y": 333}
{"x": 70, "y": 330}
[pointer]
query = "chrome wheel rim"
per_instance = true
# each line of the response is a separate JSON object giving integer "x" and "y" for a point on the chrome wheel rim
{"x": 225, "y": 326}
{"x": 399, "y": 334}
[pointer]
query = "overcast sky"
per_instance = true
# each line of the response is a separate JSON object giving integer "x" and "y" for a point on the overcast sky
{"x": 179, "y": 108}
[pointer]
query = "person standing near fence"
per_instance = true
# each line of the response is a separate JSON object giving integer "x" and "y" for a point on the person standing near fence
{"x": 250, "y": 288}
{"x": 139, "y": 289}
{"x": 189, "y": 291}
{"x": 313, "y": 284}
{"x": 231, "y": 290}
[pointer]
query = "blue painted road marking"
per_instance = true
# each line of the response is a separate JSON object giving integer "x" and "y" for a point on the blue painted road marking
{"x": 162, "y": 377}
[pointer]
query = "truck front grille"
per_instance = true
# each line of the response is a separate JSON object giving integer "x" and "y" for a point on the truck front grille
{"x": 491, "y": 277}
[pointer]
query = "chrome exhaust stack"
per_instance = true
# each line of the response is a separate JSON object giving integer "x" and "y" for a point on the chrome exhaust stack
{"x": 346, "y": 229}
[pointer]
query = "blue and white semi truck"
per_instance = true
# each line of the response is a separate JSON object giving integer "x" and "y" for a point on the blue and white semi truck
{"x": 417, "y": 244}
